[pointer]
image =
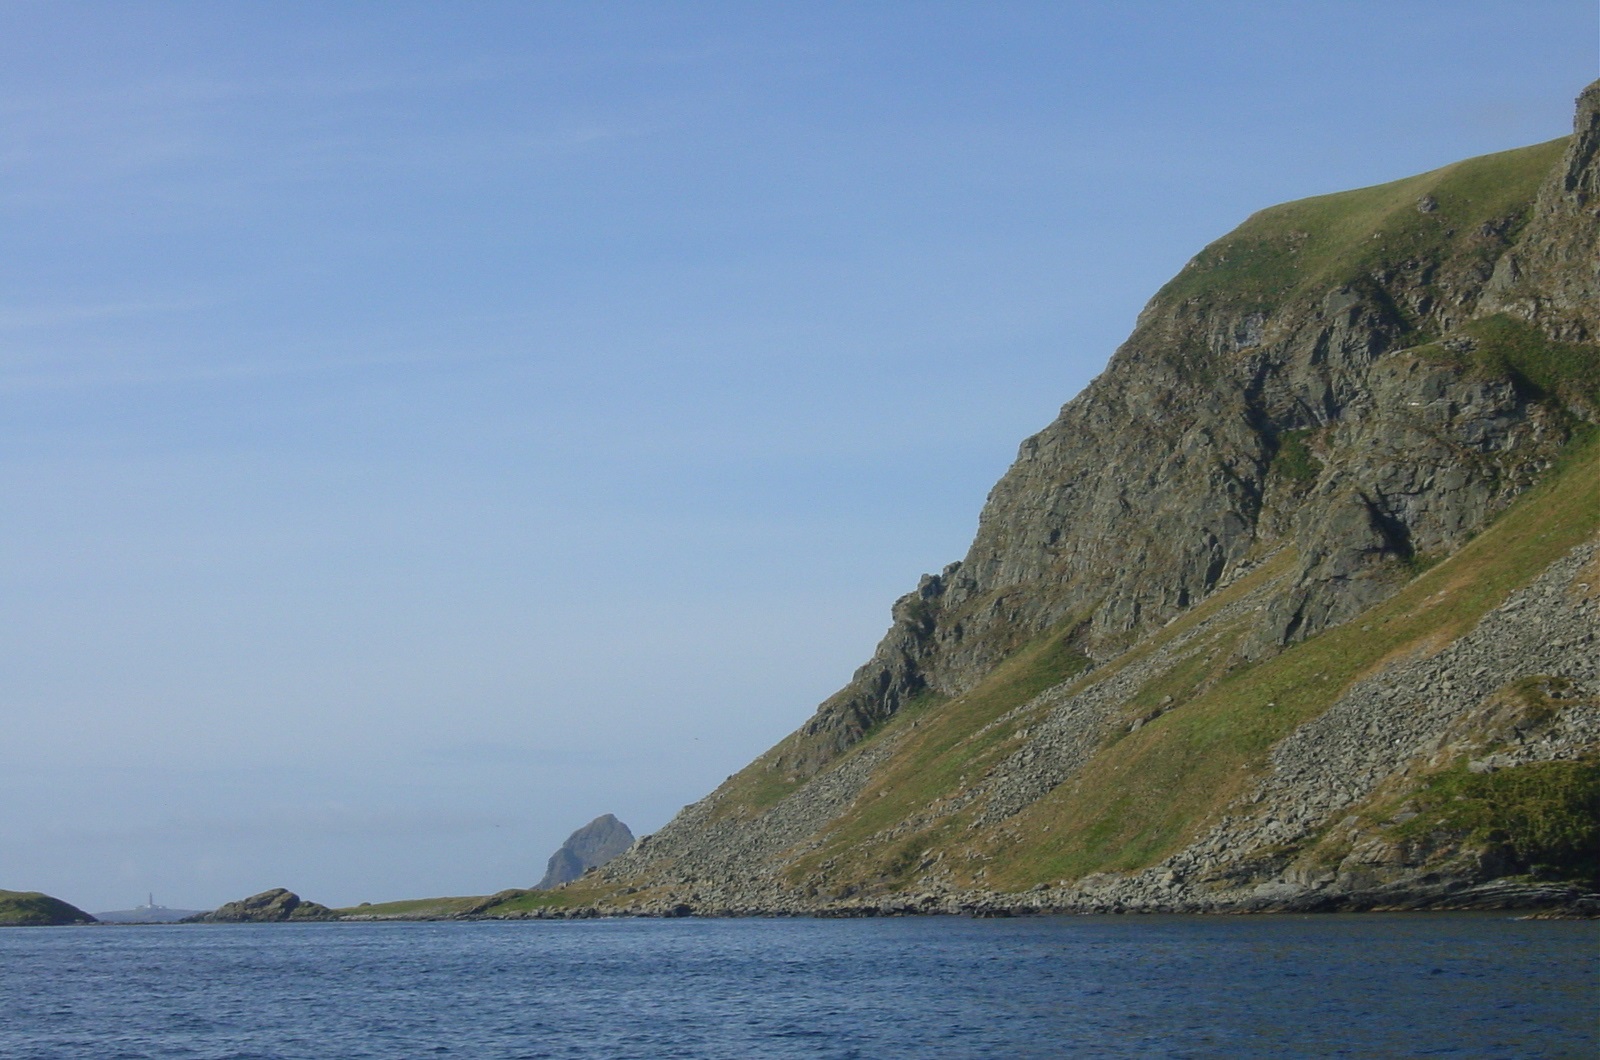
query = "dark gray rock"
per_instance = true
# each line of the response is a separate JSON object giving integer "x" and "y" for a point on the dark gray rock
{"x": 1553, "y": 273}
{"x": 589, "y": 847}
{"x": 1168, "y": 474}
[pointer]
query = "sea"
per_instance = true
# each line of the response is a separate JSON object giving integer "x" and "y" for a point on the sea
{"x": 1371, "y": 985}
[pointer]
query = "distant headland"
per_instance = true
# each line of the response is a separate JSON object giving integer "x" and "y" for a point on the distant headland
{"x": 34, "y": 909}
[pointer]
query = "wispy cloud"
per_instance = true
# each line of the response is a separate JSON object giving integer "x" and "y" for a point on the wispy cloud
{"x": 277, "y": 821}
{"x": 138, "y": 342}
{"x": 227, "y": 133}
{"x": 47, "y": 377}
{"x": 34, "y": 317}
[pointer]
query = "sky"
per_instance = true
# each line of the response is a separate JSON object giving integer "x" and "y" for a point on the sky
{"x": 425, "y": 427}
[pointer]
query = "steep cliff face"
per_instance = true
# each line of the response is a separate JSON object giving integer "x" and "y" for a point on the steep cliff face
{"x": 1340, "y": 409}
{"x": 1309, "y": 379}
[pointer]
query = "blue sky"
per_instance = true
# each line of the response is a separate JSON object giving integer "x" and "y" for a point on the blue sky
{"x": 426, "y": 427}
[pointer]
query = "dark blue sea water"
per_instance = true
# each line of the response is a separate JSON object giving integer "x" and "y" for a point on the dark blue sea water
{"x": 1365, "y": 986}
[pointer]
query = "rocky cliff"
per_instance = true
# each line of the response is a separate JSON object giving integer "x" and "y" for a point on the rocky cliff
{"x": 1293, "y": 606}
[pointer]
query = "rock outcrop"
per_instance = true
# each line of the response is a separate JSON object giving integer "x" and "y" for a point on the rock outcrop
{"x": 1293, "y": 607}
{"x": 591, "y": 846}
{"x": 269, "y": 907}
{"x": 1551, "y": 276}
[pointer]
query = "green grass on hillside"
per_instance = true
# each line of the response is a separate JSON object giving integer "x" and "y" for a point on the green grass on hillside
{"x": 35, "y": 909}
{"x": 1320, "y": 243}
{"x": 1547, "y": 814}
{"x": 412, "y": 908}
{"x": 763, "y": 784}
{"x": 574, "y": 894}
{"x": 513, "y": 901}
{"x": 942, "y": 748}
{"x": 1151, "y": 791}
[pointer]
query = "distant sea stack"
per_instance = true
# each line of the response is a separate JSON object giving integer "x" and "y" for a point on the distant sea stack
{"x": 268, "y": 907}
{"x": 589, "y": 847}
{"x": 32, "y": 909}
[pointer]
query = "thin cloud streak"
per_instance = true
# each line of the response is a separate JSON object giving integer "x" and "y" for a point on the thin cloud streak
{"x": 39, "y": 317}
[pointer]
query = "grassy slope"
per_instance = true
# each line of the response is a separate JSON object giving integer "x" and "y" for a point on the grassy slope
{"x": 939, "y": 748}
{"x": 1312, "y": 245}
{"x": 512, "y": 901}
{"x": 31, "y": 908}
{"x": 1547, "y": 814}
{"x": 412, "y": 908}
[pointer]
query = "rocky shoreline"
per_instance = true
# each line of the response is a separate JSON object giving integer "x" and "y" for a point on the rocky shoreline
{"x": 1501, "y": 895}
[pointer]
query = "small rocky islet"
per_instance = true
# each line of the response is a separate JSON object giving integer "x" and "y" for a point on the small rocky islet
{"x": 276, "y": 906}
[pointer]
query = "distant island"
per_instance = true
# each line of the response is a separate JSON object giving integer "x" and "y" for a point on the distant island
{"x": 149, "y": 913}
